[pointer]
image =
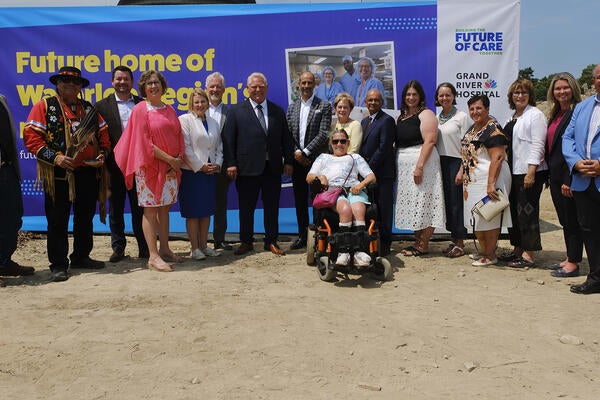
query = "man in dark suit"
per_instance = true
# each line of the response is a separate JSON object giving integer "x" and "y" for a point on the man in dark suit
{"x": 379, "y": 130}
{"x": 115, "y": 109}
{"x": 309, "y": 120}
{"x": 257, "y": 147}
{"x": 11, "y": 201}
{"x": 581, "y": 149}
{"x": 215, "y": 87}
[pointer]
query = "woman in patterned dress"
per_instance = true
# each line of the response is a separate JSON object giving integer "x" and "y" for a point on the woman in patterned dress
{"x": 150, "y": 151}
{"x": 484, "y": 170}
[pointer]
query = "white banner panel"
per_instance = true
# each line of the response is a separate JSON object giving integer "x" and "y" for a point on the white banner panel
{"x": 478, "y": 50}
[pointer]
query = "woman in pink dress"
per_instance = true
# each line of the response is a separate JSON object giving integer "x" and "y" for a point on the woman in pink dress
{"x": 150, "y": 151}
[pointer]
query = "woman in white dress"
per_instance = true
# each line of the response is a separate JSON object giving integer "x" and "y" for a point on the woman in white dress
{"x": 420, "y": 198}
{"x": 484, "y": 170}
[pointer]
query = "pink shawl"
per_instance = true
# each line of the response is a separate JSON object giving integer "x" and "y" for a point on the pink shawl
{"x": 135, "y": 149}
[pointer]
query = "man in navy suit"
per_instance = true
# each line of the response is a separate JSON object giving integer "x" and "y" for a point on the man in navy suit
{"x": 581, "y": 148}
{"x": 115, "y": 109}
{"x": 379, "y": 130}
{"x": 257, "y": 147}
{"x": 309, "y": 120}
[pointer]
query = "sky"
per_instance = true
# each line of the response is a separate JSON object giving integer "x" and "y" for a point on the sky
{"x": 559, "y": 35}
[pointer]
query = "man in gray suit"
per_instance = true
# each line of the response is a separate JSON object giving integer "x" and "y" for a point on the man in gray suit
{"x": 215, "y": 87}
{"x": 257, "y": 148}
{"x": 115, "y": 109}
{"x": 309, "y": 120}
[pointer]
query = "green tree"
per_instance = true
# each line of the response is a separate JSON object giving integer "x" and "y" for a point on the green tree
{"x": 527, "y": 73}
{"x": 541, "y": 87}
{"x": 586, "y": 75}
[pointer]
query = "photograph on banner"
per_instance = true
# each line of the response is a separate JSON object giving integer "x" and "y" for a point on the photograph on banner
{"x": 352, "y": 68}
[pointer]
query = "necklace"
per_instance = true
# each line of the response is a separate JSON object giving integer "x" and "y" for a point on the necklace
{"x": 445, "y": 118}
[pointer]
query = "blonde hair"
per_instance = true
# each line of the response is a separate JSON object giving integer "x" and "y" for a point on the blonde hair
{"x": 562, "y": 76}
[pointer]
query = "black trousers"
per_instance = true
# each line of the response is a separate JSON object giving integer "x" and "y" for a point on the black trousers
{"x": 116, "y": 207}
{"x": 220, "y": 216}
{"x": 588, "y": 215}
{"x": 268, "y": 185}
{"x": 525, "y": 212}
{"x": 567, "y": 216}
{"x": 453, "y": 196}
{"x": 57, "y": 215}
{"x": 301, "y": 193}
{"x": 384, "y": 198}
{"x": 11, "y": 211}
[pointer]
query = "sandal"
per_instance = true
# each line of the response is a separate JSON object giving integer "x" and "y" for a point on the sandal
{"x": 448, "y": 249}
{"x": 455, "y": 252}
{"x": 412, "y": 251}
{"x": 172, "y": 257}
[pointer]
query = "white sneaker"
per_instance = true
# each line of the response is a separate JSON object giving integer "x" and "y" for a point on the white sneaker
{"x": 362, "y": 259}
{"x": 211, "y": 252}
{"x": 197, "y": 254}
{"x": 343, "y": 259}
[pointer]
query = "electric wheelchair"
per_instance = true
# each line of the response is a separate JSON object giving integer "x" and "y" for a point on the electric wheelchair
{"x": 325, "y": 240}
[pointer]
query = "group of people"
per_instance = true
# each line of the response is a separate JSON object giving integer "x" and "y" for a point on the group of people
{"x": 430, "y": 170}
{"x": 356, "y": 81}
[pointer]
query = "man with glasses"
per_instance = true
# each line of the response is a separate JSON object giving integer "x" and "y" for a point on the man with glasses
{"x": 309, "y": 120}
{"x": 377, "y": 148}
{"x": 581, "y": 148}
{"x": 257, "y": 147}
{"x": 116, "y": 109}
{"x": 70, "y": 141}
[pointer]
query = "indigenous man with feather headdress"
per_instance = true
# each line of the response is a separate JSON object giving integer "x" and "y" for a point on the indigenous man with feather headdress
{"x": 70, "y": 141}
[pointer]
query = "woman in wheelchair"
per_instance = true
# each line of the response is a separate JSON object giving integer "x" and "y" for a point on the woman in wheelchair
{"x": 341, "y": 169}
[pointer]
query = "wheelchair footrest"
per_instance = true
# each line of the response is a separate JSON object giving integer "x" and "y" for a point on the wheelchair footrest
{"x": 349, "y": 242}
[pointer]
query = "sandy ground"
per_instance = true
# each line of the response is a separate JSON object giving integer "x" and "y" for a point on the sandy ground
{"x": 265, "y": 327}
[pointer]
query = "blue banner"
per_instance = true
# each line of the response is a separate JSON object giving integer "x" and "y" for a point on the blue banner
{"x": 187, "y": 43}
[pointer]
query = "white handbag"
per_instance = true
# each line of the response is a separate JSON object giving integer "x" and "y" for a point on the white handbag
{"x": 488, "y": 208}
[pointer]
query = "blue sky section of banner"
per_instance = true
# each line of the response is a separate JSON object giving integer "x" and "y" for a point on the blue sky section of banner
{"x": 21, "y": 17}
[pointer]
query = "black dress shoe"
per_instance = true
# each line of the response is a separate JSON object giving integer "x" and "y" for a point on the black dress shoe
{"x": 87, "y": 263}
{"x": 59, "y": 276}
{"x": 116, "y": 256}
{"x": 275, "y": 249}
{"x": 223, "y": 245}
{"x": 13, "y": 269}
{"x": 298, "y": 244}
{"x": 243, "y": 249}
{"x": 587, "y": 287}
{"x": 508, "y": 256}
{"x": 561, "y": 273}
{"x": 553, "y": 266}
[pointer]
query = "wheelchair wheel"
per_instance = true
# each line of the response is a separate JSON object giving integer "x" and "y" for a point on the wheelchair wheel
{"x": 325, "y": 274}
{"x": 311, "y": 248}
{"x": 382, "y": 269}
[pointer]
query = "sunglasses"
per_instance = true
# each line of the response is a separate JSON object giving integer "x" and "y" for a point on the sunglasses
{"x": 340, "y": 141}
{"x": 70, "y": 79}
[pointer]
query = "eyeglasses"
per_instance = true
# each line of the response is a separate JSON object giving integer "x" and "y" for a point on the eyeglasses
{"x": 152, "y": 83}
{"x": 70, "y": 79}
{"x": 340, "y": 141}
{"x": 520, "y": 93}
